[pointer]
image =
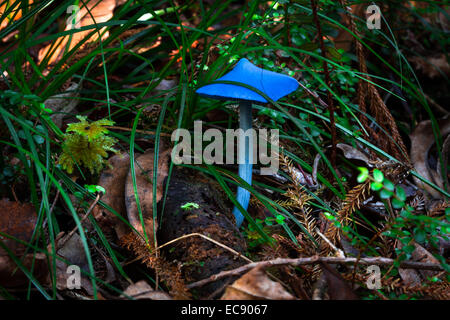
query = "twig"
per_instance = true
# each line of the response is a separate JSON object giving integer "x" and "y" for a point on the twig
{"x": 63, "y": 241}
{"x": 316, "y": 259}
{"x": 209, "y": 239}
{"x": 52, "y": 207}
{"x": 338, "y": 251}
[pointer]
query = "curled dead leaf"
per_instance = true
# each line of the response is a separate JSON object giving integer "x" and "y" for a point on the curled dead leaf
{"x": 422, "y": 140}
{"x": 256, "y": 285}
{"x": 63, "y": 103}
{"x": 433, "y": 67}
{"x": 144, "y": 177}
{"x": 113, "y": 180}
{"x": 353, "y": 153}
{"x": 73, "y": 252}
{"x": 142, "y": 290}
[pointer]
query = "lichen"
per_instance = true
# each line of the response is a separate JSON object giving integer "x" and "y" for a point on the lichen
{"x": 87, "y": 145}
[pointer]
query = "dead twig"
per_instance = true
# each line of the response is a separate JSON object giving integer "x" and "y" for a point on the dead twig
{"x": 206, "y": 238}
{"x": 316, "y": 259}
{"x": 63, "y": 241}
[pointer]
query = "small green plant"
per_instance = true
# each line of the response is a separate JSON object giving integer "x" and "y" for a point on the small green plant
{"x": 189, "y": 206}
{"x": 87, "y": 144}
{"x": 255, "y": 239}
{"x": 407, "y": 226}
{"x": 92, "y": 188}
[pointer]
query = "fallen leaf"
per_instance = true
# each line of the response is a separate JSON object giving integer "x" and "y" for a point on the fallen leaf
{"x": 338, "y": 289}
{"x": 433, "y": 67}
{"x": 144, "y": 184}
{"x": 142, "y": 290}
{"x": 353, "y": 153}
{"x": 63, "y": 103}
{"x": 96, "y": 12}
{"x": 412, "y": 277}
{"x": 256, "y": 285}
{"x": 420, "y": 254}
{"x": 113, "y": 180}
{"x": 74, "y": 253}
{"x": 422, "y": 139}
{"x": 18, "y": 220}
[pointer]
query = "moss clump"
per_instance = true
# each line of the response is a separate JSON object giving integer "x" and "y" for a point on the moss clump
{"x": 87, "y": 145}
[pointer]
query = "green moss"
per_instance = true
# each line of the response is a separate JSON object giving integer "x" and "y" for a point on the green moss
{"x": 87, "y": 145}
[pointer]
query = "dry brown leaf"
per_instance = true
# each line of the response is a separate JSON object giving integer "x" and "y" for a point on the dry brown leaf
{"x": 114, "y": 180}
{"x": 420, "y": 254}
{"x": 353, "y": 153}
{"x": 412, "y": 277}
{"x": 433, "y": 67}
{"x": 18, "y": 220}
{"x": 422, "y": 139}
{"x": 144, "y": 177}
{"x": 338, "y": 289}
{"x": 142, "y": 290}
{"x": 63, "y": 103}
{"x": 95, "y": 13}
{"x": 73, "y": 252}
{"x": 256, "y": 285}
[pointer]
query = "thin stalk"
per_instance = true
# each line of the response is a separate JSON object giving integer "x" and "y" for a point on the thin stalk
{"x": 245, "y": 158}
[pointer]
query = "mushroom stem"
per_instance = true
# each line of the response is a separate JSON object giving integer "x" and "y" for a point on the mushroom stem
{"x": 245, "y": 158}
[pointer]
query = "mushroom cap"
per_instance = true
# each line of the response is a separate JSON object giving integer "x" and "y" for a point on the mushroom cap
{"x": 274, "y": 85}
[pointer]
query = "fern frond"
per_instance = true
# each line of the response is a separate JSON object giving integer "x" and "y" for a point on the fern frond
{"x": 352, "y": 202}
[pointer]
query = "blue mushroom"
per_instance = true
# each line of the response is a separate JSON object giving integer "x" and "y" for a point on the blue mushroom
{"x": 272, "y": 84}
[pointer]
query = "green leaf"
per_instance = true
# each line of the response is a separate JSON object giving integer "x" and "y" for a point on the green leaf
{"x": 375, "y": 186}
{"x": 389, "y": 185}
{"x": 78, "y": 195}
{"x": 92, "y": 188}
{"x": 280, "y": 219}
{"x": 364, "y": 174}
{"x": 397, "y": 204}
{"x": 378, "y": 175}
{"x": 405, "y": 214}
{"x": 401, "y": 194}
{"x": 386, "y": 194}
{"x": 100, "y": 189}
{"x": 409, "y": 248}
{"x": 420, "y": 235}
{"x": 329, "y": 216}
{"x": 274, "y": 114}
{"x": 334, "y": 53}
{"x": 38, "y": 139}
